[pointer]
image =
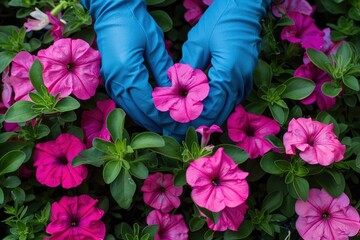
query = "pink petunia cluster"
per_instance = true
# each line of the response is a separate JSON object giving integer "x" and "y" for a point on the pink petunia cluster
{"x": 249, "y": 130}
{"x": 219, "y": 186}
{"x": 76, "y": 218}
{"x": 315, "y": 140}
{"x": 325, "y": 217}
{"x": 183, "y": 99}
{"x": 93, "y": 122}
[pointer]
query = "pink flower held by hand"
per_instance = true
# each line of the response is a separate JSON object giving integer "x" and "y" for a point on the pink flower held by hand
{"x": 300, "y": 6}
{"x": 206, "y": 131}
{"x": 71, "y": 66}
{"x": 304, "y": 31}
{"x": 183, "y": 98}
{"x": 171, "y": 227}
{"x": 160, "y": 192}
{"x": 217, "y": 182}
{"x": 325, "y": 217}
{"x": 93, "y": 122}
{"x": 76, "y": 218}
{"x": 316, "y": 141}
{"x": 320, "y": 77}
{"x": 230, "y": 218}
{"x": 53, "y": 161}
{"x": 194, "y": 10}
{"x": 248, "y": 131}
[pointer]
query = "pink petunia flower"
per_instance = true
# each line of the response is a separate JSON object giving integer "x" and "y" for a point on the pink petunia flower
{"x": 183, "y": 98}
{"x": 7, "y": 98}
{"x": 93, "y": 122}
{"x": 310, "y": 71}
{"x": 53, "y": 159}
{"x": 194, "y": 10}
{"x": 160, "y": 192}
{"x": 20, "y": 81}
{"x": 300, "y": 6}
{"x": 76, "y": 218}
{"x": 171, "y": 226}
{"x": 206, "y": 131}
{"x": 57, "y": 28}
{"x": 71, "y": 66}
{"x": 248, "y": 131}
{"x": 325, "y": 217}
{"x": 41, "y": 21}
{"x": 304, "y": 32}
{"x": 230, "y": 218}
{"x": 217, "y": 182}
{"x": 316, "y": 141}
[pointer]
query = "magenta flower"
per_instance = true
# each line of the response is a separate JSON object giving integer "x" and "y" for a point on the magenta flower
{"x": 53, "y": 159}
{"x": 194, "y": 10}
{"x": 93, "y": 122}
{"x": 7, "y": 98}
{"x": 300, "y": 6}
{"x": 325, "y": 217}
{"x": 310, "y": 71}
{"x": 248, "y": 131}
{"x": 160, "y": 192}
{"x": 41, "y": 21}
{"x": 230, "y": 218}
{"x": 183, "y": 98}
{"x": 170, "y": 226}
{"x": 329, "y": 46}
{"x": 76, "y": 218}
{"x": 217, "y": 182}
{"x": 316, "y": 141}
{"x": 304, "y": 32}
{"x": 71, "y": 66}
{"x": 57, "y": 26}
{"x": 206, "y": 131}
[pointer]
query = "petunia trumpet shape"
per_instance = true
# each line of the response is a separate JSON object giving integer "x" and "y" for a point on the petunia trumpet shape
{"x": 93, "y": 122}
{"x": 71, "y": 66}
{"x": 76, "y": 218}
{"x": 206, "y": 131}
{"x": 171, "y": 226}
{"x": 183, "y": 99}
{"x": 40, "y": 21}
{"x": 325, "y": 217}
{"x": 160, "y": 192}
{"x": 316, "y": 141}
{"x": 300, "y": 6}
{"x": 217, "y": 182}
{"x": 248, "y": 131}
{"x": 53, "y": 159}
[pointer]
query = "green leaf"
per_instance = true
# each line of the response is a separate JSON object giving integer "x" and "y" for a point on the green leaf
{"x": 235, "y": 153}
{"x": 244, "y": 231}
{"x": 147, "y": 140}
{"x": 276, "y": 142}
{"x": 213, "y": 216}
{"x": 11, "y": 182}
{"x": 283, "y": 165}
{"x": 262, "y": 75}
{"x": 351, "y": 82}
{"x": 257, "y": 107}
{"x": 180, "y": 178}
{"x": 162, "y": 19}
{"x": 196, "y": 223}
{"x": 5, "y": 59}
{"x": 209, "y": 235}
{"x": 18, "y": 195}
{"x": 284, "y": 21}
{"x": 89, "y": 156}
{"x": 272, "y": 201}
{"x": 298, "y": 88}
{"x": 36, "y": 77}
{"x": 154, "y": 2}
{"x": 67, "y": 104}
{"x": 1, "y": 196}
{"x": 111, "y": 171}
{"x": 172, "y": 148}
{"x": 139, "y": 170}
{"x": 319, "y": 59}
{"x": 331, "y": 89}
{"x": 345, "y": 53}
{"x": 6, "y": 136}
{"x": 280, "y": 114}
{"x": 267, "y": 163}
{"x": 102, "y": 145}
{"x": 123, "y": 189}
{"x": 115, "y": 123}
{"x": 11, "y": 161}
{"x": 151, "y": 230}
{"x": 191, "y": 137}
{"x": 20, "y": 111}
{"x": 301, "y": 187}
{"x": 333, "y": 182}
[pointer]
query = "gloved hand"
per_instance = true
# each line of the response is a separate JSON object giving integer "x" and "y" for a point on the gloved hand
{"x": 227, "y": 34}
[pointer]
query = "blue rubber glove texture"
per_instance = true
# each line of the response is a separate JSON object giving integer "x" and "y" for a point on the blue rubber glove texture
{"x": 227, "y": 36}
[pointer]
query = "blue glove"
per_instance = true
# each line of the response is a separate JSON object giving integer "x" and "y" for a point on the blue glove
{"x": 227, "y": 35}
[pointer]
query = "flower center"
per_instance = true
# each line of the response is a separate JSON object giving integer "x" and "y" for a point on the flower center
{"x": 63, "y": 160}
{"x": 325, "y": 215}
{"x": 215, "y": 182}
{"x": 184, "y": 92}
{"x": 250, "y": 131}
{"x": 69, "y": 67}
{"x": 74, "y": 222}
{"x": 311, "y": 141}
